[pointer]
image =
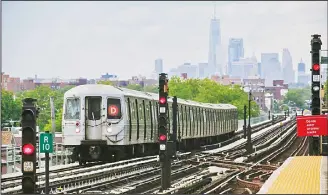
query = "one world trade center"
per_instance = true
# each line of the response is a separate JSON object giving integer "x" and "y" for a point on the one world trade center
{"x": 215, "y": 56}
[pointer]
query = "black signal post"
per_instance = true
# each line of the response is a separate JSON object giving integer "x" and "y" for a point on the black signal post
{"x": 164, "y": 153}
{"x": 245, "y": 120}
{"x": 249, "y": 128}
{"x": 28, "y": 122}
{"x": 314, "y": 142}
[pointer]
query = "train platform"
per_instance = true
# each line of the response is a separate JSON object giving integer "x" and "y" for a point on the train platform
{"x": 299, "y": 175}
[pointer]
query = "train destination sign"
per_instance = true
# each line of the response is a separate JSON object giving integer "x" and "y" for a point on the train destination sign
{"x": 113, "y": 110}
{"x": 312, "y": 125}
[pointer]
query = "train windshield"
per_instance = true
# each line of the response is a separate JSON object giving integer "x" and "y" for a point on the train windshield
{"x": 114, "y": 108}
{"x": 72, "y": 110}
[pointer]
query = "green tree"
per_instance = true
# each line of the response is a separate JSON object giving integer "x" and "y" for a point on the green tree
{"x": 43, "y": 94}
{"x": 136, "y": 87}
{"x": 298, "y": 96}
{"x": 208, "y": 91}
{"x": 105, "y": 82}
{"x": 151, "y": 88}
{"x": 58, "y": 122}
{"x": 11, "y": 108}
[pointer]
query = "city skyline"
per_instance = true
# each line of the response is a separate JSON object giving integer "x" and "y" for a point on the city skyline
{"x": 110, "y": 40}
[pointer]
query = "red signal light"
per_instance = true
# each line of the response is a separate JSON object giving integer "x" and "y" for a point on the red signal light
{"x": 162, "y": 137}
{"x": 162, "y": 100}
{"x": 316, "y": 67}
{"x": 28, "y": 149}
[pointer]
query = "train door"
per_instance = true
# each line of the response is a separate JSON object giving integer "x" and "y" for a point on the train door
{"x": 93, "y": 121}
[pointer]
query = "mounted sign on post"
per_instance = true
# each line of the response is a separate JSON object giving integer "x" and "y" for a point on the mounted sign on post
{"x": 312, "y": 125}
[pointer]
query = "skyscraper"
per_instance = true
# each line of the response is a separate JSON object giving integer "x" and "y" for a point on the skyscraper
{"x": 158, "y": 66}
{"x": 235, "y": 51}
{"x": 301, "y": 67}
{"x": 287, "y": 67}
{"x": 302, "y": 77}
{"x": 215, "y": 55}
{"x": 270, "y": 68}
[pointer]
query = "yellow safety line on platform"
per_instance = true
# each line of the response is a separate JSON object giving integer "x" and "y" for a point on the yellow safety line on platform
{"x": 302, "y": 176}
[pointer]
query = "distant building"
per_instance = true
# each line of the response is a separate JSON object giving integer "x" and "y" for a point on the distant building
{"x": 259, "y": 69}
{"x": 215, "y": 54}
{"x": 279, "y": 89}
{"x": 270, "y": 68}
{"x": 159, "y": 66}
{"x": 287, "y": 67}
{"x": 109, "y": 77}
{"x": 244, "y": 67}
{"x": 303, "y": 78}
{"x": 257, "y": 87}
{"x": 203, "y": 70}
{"x": 10, "y": 83}
{"x": 235, "y": 51}
{"x": 227, "y": 80}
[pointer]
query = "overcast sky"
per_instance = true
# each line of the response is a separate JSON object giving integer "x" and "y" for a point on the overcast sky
{"x": 87, "y": 39}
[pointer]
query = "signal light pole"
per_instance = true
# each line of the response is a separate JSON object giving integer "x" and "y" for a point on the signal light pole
{"x": 245, "y": 120}
{"x": 164, "y": 147}
{"x": 249, "y": 129}
{"x": 28, "y": 123}
{"x": 314, "y": 142}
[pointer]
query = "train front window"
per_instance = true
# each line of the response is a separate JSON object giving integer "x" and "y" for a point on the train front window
{"x": 93, "y": 108}
{"x": 114, "y": 108}
{"x": 72, "y": 110}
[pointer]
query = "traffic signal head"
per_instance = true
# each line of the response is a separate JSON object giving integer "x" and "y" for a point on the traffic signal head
{"x": 162, "y": 137}
{"x": 162, "y": 100}
{"x": 315, "y": 58}
{"x": 28, "y": 115}
{"x": 316, "y": 67}
{"x": 28, "y": 149}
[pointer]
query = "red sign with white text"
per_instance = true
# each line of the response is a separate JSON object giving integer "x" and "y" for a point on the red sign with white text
{"x": 312, "y": 125}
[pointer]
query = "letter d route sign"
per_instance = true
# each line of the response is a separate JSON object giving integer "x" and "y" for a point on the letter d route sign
{"x": 46, "y": 143}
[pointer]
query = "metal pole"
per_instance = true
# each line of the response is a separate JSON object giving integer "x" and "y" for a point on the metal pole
{"x": 174, "y": 124}
{"x": 269, "y": 115}
{"x": 53, "y": 117}
{"x": 245, "y": 120}
{"x": 47, "y": 171}
{"x": 249, "y": 133}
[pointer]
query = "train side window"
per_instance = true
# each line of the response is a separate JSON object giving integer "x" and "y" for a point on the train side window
{"x": 186, "y": 120}
{"x": 147, "y": 110}
{"x": 114, "y": 108}
{"x": 72, "y": 110}
{"x": 191, "y": 115}
{"x": 128, "y": 108}
{"x": 182, "y": 120}
{"x": 204, "y": 113}
{"x": 133, "y": 109}
{"x": 93, "y": 107}
{"x": 141, "y": 110}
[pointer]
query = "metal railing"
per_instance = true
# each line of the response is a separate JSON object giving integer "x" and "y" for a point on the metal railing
{"x": 254, "y": 120}
{"x": 11, "y": 157}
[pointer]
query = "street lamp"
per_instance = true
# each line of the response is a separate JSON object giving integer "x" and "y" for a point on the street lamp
{"x": 249, "y": 133}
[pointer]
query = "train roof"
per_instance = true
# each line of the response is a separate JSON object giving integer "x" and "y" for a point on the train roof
{"x": 91, "y": 89}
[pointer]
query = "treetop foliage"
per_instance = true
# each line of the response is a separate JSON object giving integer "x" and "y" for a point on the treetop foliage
{"x": 193, "y": 89}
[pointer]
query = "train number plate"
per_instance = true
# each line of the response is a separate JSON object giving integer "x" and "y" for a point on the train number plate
{"x": 28, "y": 166}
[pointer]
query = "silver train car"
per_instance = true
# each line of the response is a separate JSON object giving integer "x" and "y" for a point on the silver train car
{"x": 107, "y": 123}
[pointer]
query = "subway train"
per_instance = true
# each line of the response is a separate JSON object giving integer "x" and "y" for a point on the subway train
{"x": 103, "y": 123}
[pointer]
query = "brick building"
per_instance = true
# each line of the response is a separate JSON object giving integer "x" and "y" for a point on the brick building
{"x": 257, "y": 86}
{"x": 279, "y": 89}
